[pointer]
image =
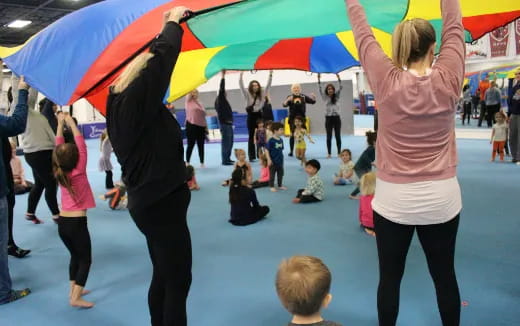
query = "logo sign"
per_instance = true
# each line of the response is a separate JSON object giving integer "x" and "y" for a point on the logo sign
{"x": 517, "y": 35}
{"x": 498, "y": 41}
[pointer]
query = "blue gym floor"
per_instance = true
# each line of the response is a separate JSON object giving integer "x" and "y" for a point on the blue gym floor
{"x": 234, "y": 267}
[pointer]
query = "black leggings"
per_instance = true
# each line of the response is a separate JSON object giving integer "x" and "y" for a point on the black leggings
{"x": 306, "y": 198}
{"x": 438, "y": 243}
{"x": 74, "y": 233}
{"x": 196, "y": 134}
{"x": 41, "y": 165}
{"x": 333, "y": 123}
{"x": 109, "y": 181}
{"x": 252, "y": 118}
{"x": 258, "y": 213}
{"x": 259, "y": 184}
{"x": 467, "y": 112}
{"x": 164, "y": 225}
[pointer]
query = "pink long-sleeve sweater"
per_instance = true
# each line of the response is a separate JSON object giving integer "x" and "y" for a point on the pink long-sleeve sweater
{"x": 195, "y": 113}
{"x": 416, "y": 135}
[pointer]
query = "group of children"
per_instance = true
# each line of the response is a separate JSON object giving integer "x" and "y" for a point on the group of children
{"x": 245, "y": 208}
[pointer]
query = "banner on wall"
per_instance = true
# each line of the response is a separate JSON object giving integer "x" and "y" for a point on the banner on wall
{"x": 498, "y": 41}
{"x": 517, "y": 36}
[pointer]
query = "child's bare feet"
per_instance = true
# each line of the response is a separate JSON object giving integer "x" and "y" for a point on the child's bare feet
{"x": 273, "y": 189}
{"x": 353, "y": 197}
{"x": 329, "y": 156}
{"x": 282, "y": 188}
{"x": 80, "y": 303}
{"x": 296, "y": 200}
{"x": 370, "y": 232}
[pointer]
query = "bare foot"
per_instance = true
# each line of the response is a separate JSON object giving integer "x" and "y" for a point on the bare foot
{"x": 370, "y": 232}
{"x": 296, "y": 200}
{"x": 353, "y": 197}
{"x": 282, "y": 188}
{"x": 80, "y": 303}
{"x": 202, "y": 166}
{"x": 273, "y": 189}
{"x": 329, "y": 156}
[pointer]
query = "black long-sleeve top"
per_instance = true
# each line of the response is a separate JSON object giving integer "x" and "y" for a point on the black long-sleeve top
{"x": 297, "y": 106}
{"x": 514, "y": 100}
{"x": 244, "y": 208}
{"x": 222, "y": 106}
{"x": 48, "y": 112}
{"x": 146, "y": 138}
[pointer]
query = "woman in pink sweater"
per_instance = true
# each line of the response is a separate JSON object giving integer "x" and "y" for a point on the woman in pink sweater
{"x": 417, "y": 187}
{"x": 70, "y": 169}
{"x": 195, "y": 125}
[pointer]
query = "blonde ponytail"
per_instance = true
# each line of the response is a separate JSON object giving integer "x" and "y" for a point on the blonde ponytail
{"x": 411, "y": 41}
{"x": 131, "y": 72}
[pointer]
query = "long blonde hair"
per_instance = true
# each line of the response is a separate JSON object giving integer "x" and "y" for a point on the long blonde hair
{"x": 367, "y": 184}
{"x": 131, "y": 72}
{"x": 411, "y": 41}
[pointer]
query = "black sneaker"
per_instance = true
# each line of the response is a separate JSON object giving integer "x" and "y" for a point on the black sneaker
{"x": 17, "y": 252}
{"x": 514, "y": 161}
{"x": 290, "y": 154}
{"x": 33, "y": 219}
{"x": 18, "y": 294}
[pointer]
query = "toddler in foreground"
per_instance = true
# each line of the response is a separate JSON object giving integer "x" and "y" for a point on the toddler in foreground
{"x": 303, "y": 286}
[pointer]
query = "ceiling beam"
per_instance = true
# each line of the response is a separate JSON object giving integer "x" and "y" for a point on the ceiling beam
{"x": 9, "y": 5}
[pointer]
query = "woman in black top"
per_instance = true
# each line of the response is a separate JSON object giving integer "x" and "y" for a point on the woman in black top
{"x": 147, "y": 142}
{"x": 297, "y": 107}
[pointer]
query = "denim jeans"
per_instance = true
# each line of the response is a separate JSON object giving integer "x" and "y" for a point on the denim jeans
{"x": 5, "y": 279}
{"x": 226, "y": 131}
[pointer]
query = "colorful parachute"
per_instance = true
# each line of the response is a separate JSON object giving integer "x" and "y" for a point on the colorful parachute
{"x": 82, "y": 53}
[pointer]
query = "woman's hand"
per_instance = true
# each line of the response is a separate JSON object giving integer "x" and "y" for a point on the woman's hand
{"x": 22, "y": 84}
{"x": 61, "y": 118}
{"x": 68, "y": 120}
{"x": 175, "y": 14}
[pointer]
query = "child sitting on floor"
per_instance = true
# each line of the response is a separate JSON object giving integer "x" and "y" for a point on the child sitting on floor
{"x": 245, "y": 208}
{"x": 263, "y": 181}
{"x": 346, "y": 169}
{"x": 366, "y": 214}
{"x": 365, "y": 162}
{"x": 190, "y": 178}
{"x": 314, "y": 191}
{"x": 303, "y": 286}
{"x": 117, "y": 197}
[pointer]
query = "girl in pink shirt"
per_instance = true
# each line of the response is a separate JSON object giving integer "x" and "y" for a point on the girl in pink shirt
{"x": 263, "y": 181}
{"x": 367, "y": 186}
{"x": 70, "y": 169}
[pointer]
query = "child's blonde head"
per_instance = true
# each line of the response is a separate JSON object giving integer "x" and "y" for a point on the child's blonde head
{"x": 303, "y": 284}
{"x": 240, "y": 154}
{"x": 367, "y": 184}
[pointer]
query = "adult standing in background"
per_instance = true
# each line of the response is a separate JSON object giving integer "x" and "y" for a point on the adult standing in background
{"x": 38, "y": 142}
{"x": 147, "y": 141}
{"x": 514, "y": 118}
{"x": 225, "y": 119}
{"x": 483, "y": 86}
{"x": 10, "y": 127}
{"x": 332, "y": 113}
{"x": 493, "y": 98}
{"x": 297, "y": 103}
{"x": 417, "y": 186}
{"x": 255, "y": 99}
{"x": 196, "y": 125}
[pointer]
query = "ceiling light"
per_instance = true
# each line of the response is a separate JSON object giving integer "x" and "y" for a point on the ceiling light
{"x": 19, "y": 23}
{"x": 6, "y": 70}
